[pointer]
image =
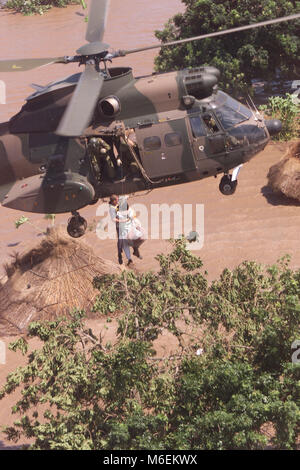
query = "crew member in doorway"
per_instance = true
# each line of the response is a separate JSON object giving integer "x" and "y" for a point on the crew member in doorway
{"x": 130, "y": 166}
{"x": 114, "y": 170}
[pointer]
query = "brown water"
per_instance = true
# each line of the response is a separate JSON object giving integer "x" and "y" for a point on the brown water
{"x": 131, "y": 23}
{"x": 251, "y": 224}
{"x": 247, "y": 225}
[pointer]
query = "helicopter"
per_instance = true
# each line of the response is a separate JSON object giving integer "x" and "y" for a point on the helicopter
{"x": 103, "y": 131}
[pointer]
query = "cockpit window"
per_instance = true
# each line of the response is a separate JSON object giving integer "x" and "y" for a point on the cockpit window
{"x": 231, "y": 102}
{"x": 197, "y": 126}
{"x": 229, "y": 111}
{"x": 228, "y": 117}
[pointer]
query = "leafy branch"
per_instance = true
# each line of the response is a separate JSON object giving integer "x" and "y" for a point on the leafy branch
{"x": 228, "y": 383}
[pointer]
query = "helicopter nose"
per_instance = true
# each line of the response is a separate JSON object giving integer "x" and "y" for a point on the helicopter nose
{"x": 274, "y": 126}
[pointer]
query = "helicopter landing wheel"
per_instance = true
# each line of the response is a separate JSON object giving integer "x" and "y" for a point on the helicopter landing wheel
{"x": 226, "y": 186}
{"x": 77, "y": 225}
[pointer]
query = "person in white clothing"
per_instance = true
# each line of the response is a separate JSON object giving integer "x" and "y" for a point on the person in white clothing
{"x": 130, "y": 228}
{"x": 114, "y": 210}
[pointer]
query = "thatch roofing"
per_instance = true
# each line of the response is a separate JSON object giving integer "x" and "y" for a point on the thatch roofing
{"x": 284, "y": 176}
{"x": 48, "y": 280}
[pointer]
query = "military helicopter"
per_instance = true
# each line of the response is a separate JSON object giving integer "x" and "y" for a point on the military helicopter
{"x": 104, "y": 131}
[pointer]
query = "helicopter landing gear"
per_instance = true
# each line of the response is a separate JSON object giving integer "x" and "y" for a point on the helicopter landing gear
{"x": 228, "y": 183}
{"x": 77, "y": 225}
{"x": 227, "y": 186}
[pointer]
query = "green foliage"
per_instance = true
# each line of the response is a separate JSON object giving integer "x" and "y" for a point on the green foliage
{"x": 22, "y": 220}
{"x": 84, "y": 6}
{"x": 287, "y": 111}
{"x": 153, "y": 301}
{"x": 25, "y": 220}
{"x": 241, "y": 392}
{"x": 30, "y": 7}
{"x": 239, "y": 56}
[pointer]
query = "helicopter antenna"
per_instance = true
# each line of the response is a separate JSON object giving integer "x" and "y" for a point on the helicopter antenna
{"x": 251, "y": 109}
{"x": 253, "y": 104}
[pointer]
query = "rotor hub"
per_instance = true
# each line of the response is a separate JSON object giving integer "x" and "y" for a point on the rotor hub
{"x": 93, "y": 48}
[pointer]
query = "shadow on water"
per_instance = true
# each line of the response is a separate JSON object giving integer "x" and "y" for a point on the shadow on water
{"x": 277, "y": 199}
{"x": 4, "y": 446}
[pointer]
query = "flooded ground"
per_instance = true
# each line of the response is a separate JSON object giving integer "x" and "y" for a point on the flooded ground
{"x": 260, "y": 228}
{"x": 61, "y": 31}
{"x": 252, "y": 224}
{"x": 249, "y": 224}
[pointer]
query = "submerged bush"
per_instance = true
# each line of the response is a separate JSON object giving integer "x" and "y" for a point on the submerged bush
{"x": 284, "y": 108}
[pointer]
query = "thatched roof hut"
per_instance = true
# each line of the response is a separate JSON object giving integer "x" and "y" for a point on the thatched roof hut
{"x": 48, "y": 280}
{"x": 284, "y": 176}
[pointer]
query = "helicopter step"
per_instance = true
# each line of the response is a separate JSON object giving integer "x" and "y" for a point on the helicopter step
{"x": 228, "y": 182}
{"x": 77, "y": 225}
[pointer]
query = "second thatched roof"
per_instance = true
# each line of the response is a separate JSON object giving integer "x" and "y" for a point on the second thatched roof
{"x": 284, "y": 176}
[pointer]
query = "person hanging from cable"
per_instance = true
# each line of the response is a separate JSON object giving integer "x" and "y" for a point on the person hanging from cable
{"x": 130, "y": 228}
{"x": 113, "y": 211}
{"x": 124, "y": 217}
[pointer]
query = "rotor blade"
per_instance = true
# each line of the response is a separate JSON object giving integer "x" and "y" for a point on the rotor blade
{"x": 97, "y": 20}
{"x": 83, "y": 102}
{"x": 21, "y": 65}
{"x": 210, "y": 35}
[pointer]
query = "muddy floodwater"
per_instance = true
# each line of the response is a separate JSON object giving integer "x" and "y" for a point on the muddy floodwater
{"x": 251, "y": 224}
{"x": 61, "y": 31}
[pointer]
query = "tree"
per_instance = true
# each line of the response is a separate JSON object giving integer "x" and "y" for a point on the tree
{"x": 230, "y": 381}
{"x": 242, "y": 56}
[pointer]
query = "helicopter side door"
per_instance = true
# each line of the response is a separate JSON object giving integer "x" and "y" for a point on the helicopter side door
{"x": 208, "y": 143}
{"x": 165, "y": 148}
